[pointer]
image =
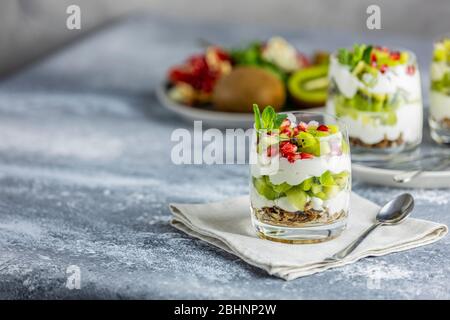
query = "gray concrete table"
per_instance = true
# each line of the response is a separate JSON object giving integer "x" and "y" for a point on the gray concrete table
{"x": 85, "y": 179}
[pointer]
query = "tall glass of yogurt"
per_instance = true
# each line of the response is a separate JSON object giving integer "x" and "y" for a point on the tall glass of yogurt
{"x": 376, "y": 92}
{"x": 439, "y": 116}
{"x": 300, "y": 179}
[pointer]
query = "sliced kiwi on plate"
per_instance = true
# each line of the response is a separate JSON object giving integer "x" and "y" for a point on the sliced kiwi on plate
{"x": 308, "y": 87}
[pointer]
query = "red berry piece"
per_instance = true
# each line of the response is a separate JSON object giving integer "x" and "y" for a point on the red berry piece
{"x": 302, "y": 126}
{"x": 286, "y": 124}
{"x": 287, "y": 148}
{"x": 293, "y": 157}
{"x": 272, "y": 151}
{"x": 304, "y": 155}
{"x": 383, "y": 68}
{"x": 395, "y": 55}
{"x": 373, "y": 58}
{"x": 323, "y": 127}
{"x": 411, "y": 70}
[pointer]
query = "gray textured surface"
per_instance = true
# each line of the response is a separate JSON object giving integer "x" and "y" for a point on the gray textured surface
{"x": 85, "y": 179}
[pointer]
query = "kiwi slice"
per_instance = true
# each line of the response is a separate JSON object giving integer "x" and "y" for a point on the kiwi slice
{"x": 309, "y": 86}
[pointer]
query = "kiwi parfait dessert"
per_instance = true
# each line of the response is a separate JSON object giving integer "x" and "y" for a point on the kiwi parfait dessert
{"x": 439, "y": 117}
{"x": 300, "y": 176}
{"x": 377, "y": 93}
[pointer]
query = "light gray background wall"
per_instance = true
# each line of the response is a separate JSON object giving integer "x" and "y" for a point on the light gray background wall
{"x": 32, "y": 28}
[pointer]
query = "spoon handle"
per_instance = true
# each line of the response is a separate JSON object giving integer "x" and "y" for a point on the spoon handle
{"x": 407, "y": 176}
{"x": 347, "y": 250}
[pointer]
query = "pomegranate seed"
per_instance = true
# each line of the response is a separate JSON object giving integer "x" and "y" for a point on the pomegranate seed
{"x": 302, "y": 126}
{"x": 383, "y": 68}
{"x": 272, "y": 151}
{"x": 410, "y": 70}
{"x": 323, "y": 127}
{"x": 286, "y": 124}
{"x": 373, "y": 58}
{"x": 395, "y": 55}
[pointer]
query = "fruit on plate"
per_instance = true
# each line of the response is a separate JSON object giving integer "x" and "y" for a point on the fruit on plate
{"x": 193, "y": 82}
{"x": 309, "y": 86}
{"x": 245, "y": 85}
{"x": 276, "y": 55}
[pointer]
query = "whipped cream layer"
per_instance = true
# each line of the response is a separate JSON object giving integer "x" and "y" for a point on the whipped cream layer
{"x": 393, "y": 79}
{"x": 409, "y": 124}
{"x": 295, "y": 173}
{"x": 439, "y": 106}
{"x": 336, "y": 204}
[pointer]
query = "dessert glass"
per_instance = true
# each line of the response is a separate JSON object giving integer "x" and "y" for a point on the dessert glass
{"x": 300, "y": 179}
{"x": 379, "y": 99}
{"x": 439, "y": 115}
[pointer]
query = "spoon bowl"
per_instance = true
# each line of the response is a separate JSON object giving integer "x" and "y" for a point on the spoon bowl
{"x": 396, "y": 210}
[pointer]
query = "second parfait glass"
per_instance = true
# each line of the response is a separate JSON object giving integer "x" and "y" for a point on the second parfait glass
{"x": 377, "y": 93}
{"x": 300, "y": 179}
{"x": 439, "y": 116}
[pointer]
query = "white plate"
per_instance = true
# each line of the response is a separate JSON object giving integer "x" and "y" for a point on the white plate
{"x": 428, "y": 179}
{"x": 217, "y": 119}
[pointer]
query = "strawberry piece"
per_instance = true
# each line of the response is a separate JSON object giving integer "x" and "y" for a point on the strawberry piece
{"x": 293, "y": 157}
{"x": 383, "y": 68}
{"x": 287, "y": 148}
{"x": 323, "y": 127}
{"x": 295, "y": 131}
{"x": 304, "y": 155}
{"x": 410, "y": 70}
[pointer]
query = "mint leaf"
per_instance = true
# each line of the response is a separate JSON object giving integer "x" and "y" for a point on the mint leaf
{"x": 279, "y": 119}
{"x": 257, "y": 116}
{"x": 366, "y": 54}
{"x": 268, "y": 117}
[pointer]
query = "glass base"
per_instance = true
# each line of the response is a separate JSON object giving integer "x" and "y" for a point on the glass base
{"x": 438, "y": 133}
{"x": 312, "y": 234}
{"x": 361, "y": 154}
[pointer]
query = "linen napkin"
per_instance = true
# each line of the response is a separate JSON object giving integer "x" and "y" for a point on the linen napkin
{"x": 227, "y": 225}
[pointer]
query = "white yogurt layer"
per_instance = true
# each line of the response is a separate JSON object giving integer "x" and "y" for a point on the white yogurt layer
{"x": 336, "y": 204}
{"x": 295, "y": 173}
{"x": 409, "y": 123}
{"x": 439, "y": 106}
{"x": 386, "y": 83}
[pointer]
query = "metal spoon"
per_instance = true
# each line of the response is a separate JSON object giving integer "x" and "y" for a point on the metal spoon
{"x": 409, "y": 175}
{"x": 393, "y": 212}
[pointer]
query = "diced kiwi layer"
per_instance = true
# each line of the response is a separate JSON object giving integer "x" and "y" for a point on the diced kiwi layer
{"x": 324, "y": 187}
{"x": 382, "y": 109}
{"x": 442, "y": 85}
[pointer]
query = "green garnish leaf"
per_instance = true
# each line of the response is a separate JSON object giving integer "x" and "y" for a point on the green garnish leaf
{"x": 257, "y": 116}
{"x": 279, "y": 120}
{"x": 268, "y": 117}
{"x": 366, "y": 54}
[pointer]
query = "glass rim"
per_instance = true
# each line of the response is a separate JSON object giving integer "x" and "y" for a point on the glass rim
{"x": 412, "y": 55}
{"x": 342, "y": 126}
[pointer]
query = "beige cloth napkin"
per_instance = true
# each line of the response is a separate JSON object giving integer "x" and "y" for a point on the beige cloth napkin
{"x": 227, "y": 225}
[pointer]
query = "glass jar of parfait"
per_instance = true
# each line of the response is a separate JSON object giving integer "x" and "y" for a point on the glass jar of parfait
{"x": 439, "y": 115}
{"x": 376, "y": 92}
{"x": 300, "y": 177}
